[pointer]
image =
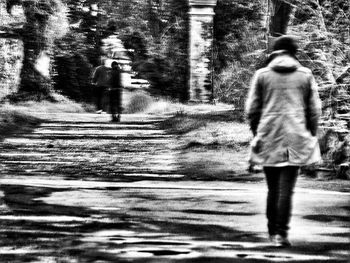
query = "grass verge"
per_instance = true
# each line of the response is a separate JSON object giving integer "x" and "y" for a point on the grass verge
{"x": 213, "y": 143}
{"x": 15, "y": 121}
{"x": 20, "y": 117}
{"x": 62, "y": 104}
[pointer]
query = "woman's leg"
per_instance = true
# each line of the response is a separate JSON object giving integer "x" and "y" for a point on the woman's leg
{"x": 272, "y": 178}
{"x": 288, "y": 177}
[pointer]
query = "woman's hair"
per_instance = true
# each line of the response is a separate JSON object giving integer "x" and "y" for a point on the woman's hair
{"x": 287, "y": 43}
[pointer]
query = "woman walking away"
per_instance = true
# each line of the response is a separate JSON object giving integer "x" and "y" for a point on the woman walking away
{"x": 115, "y": 95}
{"x": 283, "y": 108}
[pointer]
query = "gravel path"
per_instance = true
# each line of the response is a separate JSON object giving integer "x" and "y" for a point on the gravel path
{"x": 82, "y": 189}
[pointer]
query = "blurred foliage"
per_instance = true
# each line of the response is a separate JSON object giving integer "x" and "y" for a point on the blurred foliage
{"x": 44, "y": 22}
{"x": 156, "y": 34}
{"x": 322, "y": 28}
{"x": 239, "y": 43}
{"x": 233, "y": 23}
{"x": 160, "y": 52}
{"x": 139, "y": 102}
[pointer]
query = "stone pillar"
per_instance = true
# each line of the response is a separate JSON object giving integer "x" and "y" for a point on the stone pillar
{"x": 201, "y": 45}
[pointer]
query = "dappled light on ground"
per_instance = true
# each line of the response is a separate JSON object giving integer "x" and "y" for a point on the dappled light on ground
{"x": 81, "y": 189}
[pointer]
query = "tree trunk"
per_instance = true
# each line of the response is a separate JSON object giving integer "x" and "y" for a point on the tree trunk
{"x": 343, "y": 75}
{"x": 33, "y": 83}
{"x": 154, "y": 15}
{"x": 279, "y": 17}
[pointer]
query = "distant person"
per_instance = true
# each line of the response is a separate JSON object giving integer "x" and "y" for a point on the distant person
{"x": 115, "y": 95}
{"x": 283, "y": 108}
{"x": 101, "y": 80}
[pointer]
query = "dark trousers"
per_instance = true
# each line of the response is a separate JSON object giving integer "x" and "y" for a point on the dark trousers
{"x": 99, "y": 93}
{"x": 115, "y": 98}
{"x": 280, "y": 182}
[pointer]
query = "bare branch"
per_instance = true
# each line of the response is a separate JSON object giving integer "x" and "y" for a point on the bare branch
{"x": 343, "y": 75}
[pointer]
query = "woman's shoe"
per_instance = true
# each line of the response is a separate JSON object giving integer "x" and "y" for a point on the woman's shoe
{"x": 280, "y": 241}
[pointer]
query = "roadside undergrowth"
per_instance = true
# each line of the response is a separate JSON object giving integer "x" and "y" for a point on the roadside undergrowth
{"x": 16, "y": 121}
{"x": 23, "y": 116}
{"x": 213, "y": 145}
{"x": 61, "y": 104}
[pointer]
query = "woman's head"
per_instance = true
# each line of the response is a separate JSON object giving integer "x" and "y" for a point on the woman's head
{"x": 287, "y": 43}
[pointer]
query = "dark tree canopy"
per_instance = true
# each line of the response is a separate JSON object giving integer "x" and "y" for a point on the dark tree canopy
{"x": 69, "y": 33}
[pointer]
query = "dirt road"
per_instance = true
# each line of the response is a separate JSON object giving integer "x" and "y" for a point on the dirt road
{"x": 81, "y": 189}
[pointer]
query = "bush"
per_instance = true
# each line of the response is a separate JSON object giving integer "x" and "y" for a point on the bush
{"x": 138, "y": 103}
{"x": 238, "y": 48}
{"x": 161, "y": 49}
{"x": 12, "y": 120}
{"x": 231, "y": 85}
{"x": 72, "y": 77}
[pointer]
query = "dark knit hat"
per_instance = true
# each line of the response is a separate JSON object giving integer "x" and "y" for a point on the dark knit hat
{"x": 287, "y": 43}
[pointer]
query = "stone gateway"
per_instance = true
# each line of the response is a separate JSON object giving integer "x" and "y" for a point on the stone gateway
{"x": 200, "y": 50}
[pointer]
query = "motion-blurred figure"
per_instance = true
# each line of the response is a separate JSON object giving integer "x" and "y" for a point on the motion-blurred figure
{"x": 100, "y": 79}
{"x": 283, "y": 108}
{"x": 115, "y": 92}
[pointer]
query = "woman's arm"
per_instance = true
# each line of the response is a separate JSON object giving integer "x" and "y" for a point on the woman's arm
{"x": 254, "y": 103}
{"x": 314, "y": 108}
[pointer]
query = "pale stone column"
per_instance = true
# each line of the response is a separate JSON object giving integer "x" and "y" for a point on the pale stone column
{"x": 201, "y": 45}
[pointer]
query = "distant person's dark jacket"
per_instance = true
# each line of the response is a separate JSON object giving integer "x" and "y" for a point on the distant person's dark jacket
{"x": 115, "y": 78}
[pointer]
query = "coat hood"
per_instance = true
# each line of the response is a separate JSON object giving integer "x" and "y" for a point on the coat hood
{"x": 283, "y": 63}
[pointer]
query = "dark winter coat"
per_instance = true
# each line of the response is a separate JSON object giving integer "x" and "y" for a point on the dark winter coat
{"x": 115, "y": 78}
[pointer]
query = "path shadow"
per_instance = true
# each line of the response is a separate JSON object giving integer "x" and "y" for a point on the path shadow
{"x": 20, "y": 125}
{"x": 35, "y": 227}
